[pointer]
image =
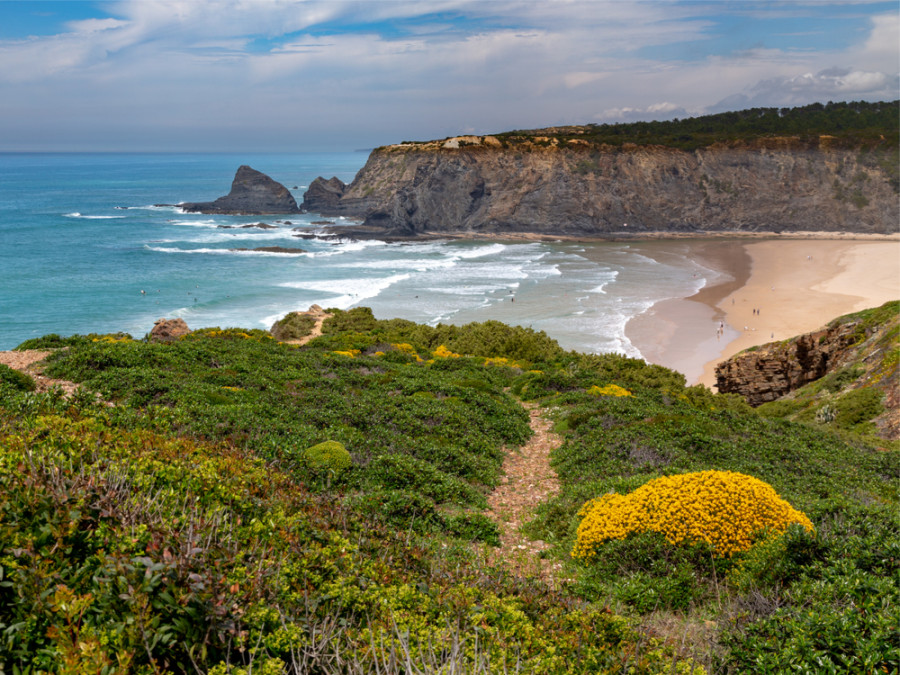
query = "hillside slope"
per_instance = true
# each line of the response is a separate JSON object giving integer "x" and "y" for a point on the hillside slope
{"x": 234, "y": 504}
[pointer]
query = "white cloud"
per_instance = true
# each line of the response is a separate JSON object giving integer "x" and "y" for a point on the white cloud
{"x": 185, "y": 69}
{"x": 829, "y": 84}
{"x": 656, "y": 111}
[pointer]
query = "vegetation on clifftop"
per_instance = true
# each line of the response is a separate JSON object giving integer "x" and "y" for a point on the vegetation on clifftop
{"x": 853, "y": 124}
{"x": 246, "y": 505}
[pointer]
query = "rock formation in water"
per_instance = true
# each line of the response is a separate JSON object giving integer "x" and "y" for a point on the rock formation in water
{"x": 252, "y": 193}
{"x": 568, "y": 182}
{"x": 272, "y": 249}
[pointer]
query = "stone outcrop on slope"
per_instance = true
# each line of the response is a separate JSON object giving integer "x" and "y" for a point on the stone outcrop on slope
{"x": 773, "y": 370}
{"x": 252, "y": 193}
{"x": 168, "y": 330}
{"x": 857, "y": 351}
{"x": 477, "y": 185}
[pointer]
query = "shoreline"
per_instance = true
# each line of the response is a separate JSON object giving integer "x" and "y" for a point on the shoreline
{"x": 371, "y": 232}
{"x": 782, "y": 289}
{"x": 682, "y": 333}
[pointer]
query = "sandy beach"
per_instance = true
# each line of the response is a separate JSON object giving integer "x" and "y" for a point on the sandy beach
{"x": 778, "y": 288}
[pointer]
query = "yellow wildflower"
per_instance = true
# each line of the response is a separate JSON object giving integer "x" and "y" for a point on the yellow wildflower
{"x": 723, "y": 508}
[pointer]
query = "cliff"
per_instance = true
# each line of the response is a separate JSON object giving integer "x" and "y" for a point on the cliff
{"x": 817, "y": 371}
{"x": 252, "y": 193}
{"x": 477, "y": 185}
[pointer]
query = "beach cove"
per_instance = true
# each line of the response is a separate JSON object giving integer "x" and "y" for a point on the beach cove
{"x": 778, "y": 288}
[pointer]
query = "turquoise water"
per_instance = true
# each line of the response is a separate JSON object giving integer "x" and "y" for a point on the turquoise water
{"x": 84, "y": 250}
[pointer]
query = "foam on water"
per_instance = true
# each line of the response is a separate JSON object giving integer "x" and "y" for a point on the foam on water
{"x": 223, "y": 251}
{"x": 75, "y": 214}
{"x": 358, "y": 288}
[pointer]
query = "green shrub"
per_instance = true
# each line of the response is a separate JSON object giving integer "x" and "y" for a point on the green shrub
{"x": 858, "y": 406}
{"x": 474, "y": 527}
{"x": 648, "y": 573}
{"x": 50, "y": 341}
{"x": 358, "y": 320}
{"x": 834, "y": 382}
{"x": 403, "y": 508}
{"x": 293, "y": 326}
{"x": 410, "y": 473}
{"x": 776, "y": 561}
{"x": 15, "y": 379}
{"x": 328, "y": 456}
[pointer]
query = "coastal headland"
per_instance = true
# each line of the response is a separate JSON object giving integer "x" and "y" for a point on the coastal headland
{"x": 764, "y": 170}
{"x": 796, "y": 212}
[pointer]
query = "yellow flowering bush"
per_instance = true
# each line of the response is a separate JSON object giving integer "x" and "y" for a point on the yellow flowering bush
{"x": 349, "y": 352}
{"x": 407, "y": 348}
{"x": 502, "y": 361}
{"x": 443, "y": 353}
{"x": 608, "y": 390}
{"x": 112, "y": 339}
{"x": 723, "y": 508}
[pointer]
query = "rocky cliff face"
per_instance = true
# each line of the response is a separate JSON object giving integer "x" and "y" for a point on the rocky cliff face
{"x": 481, "y": 185}
{"x": 252, "y": 193}
{"x": 815, "y": 370}
{"x": 776, "y": 369}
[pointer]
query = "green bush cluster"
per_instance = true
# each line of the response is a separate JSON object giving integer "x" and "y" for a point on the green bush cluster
{"x": 358, "y": 329}
{"x": 15, "y": 379}
{"x": 293, "y": 326}
{"x": 186, "y": 528}
{"x": 400, "y": 420}
{"x": 328, "y": 456}
{"x": 846, "y": 485}
{"x": 131, "y": 552}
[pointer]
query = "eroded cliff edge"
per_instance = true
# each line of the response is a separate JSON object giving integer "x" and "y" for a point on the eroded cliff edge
{"x": 554, "y": 186}
{"x": 844, "y": 369}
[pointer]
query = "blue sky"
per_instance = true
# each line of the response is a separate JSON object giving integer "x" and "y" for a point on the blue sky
{"x": 295, "y": 75}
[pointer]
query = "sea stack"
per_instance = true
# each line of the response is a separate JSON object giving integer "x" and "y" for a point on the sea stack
{"x": 252, "y": 193}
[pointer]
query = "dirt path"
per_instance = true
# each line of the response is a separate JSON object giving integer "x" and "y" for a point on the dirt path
{"x": 528, "y": 480}
{"x": 29, "y": 361}
{"x": 320, "y": 315}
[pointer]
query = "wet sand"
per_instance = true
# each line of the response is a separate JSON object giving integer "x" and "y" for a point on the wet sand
{"x": 797, "y": 286}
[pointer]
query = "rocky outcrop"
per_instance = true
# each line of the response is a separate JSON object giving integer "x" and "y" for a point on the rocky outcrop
{"x": 773, "y": 370}
{"x": 168, "y": 330}
{"x": 325, "y": 194}
{"x": 853, "y": 352}
{"x": 272, "y": 249}
{"x": 252, "y": 193}
{"x": 258, "y": 226}
{"x": 475, "y": 185}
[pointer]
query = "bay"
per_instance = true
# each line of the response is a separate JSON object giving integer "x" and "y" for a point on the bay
{"x": 84, "y": 250}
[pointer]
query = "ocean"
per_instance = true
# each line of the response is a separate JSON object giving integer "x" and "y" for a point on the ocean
{"x": 84, "y": 249}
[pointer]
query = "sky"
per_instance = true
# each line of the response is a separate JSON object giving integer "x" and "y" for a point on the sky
{"x": 319, "y": 75}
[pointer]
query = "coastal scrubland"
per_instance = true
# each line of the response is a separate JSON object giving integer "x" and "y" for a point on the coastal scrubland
{"x": 227, "y": 503}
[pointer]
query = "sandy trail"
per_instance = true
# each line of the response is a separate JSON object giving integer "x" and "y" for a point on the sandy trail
{"x": 29, "y": 361}
{"x": 528, "y": 480}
